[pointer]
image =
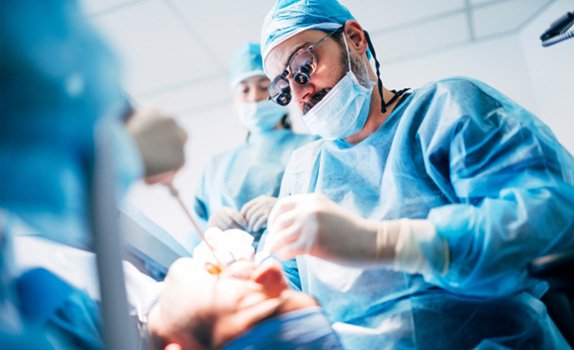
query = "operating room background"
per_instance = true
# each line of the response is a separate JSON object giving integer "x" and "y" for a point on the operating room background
{"x": 175, "y": 55}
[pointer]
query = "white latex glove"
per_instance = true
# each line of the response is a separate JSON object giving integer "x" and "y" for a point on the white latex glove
{"x": 257, "y": 211}
{"x": 227, "y": 218}
{"x": 228, "y": 245}
{"x": 160, "y": 141}
{"x": 312, "y": 224}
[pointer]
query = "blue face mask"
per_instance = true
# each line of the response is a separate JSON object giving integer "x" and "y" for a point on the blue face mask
{"x": 301, "y": 329}
{"x": 260, "y": 116}
{"x": 343, "y": 111}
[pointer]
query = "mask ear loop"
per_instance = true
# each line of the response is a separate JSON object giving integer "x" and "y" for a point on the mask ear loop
{"x": 347, "y": 50}
{"x": 378, "y": 68}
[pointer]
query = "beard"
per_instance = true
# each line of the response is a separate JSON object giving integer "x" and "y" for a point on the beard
{"x": 359, "y": 69}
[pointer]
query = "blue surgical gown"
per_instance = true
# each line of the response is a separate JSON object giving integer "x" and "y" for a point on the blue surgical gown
{"x": 50, "y": 313}
{"x": 495, "y": 183}
{"x": 255, "y": 168}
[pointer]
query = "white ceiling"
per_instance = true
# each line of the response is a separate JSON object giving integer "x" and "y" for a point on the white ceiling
{"x": 175, "y": 52}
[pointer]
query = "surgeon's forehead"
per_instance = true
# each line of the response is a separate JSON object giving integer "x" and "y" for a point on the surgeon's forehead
{"x": 279, "y": 56}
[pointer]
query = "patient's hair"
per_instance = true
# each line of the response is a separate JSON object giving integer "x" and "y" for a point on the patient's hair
{"x": 202, "y": 327}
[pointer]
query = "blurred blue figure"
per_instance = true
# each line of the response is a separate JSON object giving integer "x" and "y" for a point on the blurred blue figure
{"x": 414, "y": 220}
{"x": 58, "y": 80}
{"x": 238, "y": 188}
{"x": 51, "y": 98}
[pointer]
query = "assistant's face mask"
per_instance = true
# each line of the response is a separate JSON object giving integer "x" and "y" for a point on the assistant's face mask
{"x": 260, "y": 116}
{"x": 344, "y": 110}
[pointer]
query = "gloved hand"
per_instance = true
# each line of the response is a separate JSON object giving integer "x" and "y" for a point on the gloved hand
{"x": 257, "y": 211}
{"x": 160, "y": 141}
{"x": 227, "y": 218}
{"x": 312, "y": 224}
{"x": 229, "y": 245}
{"x": 166, "y": 178}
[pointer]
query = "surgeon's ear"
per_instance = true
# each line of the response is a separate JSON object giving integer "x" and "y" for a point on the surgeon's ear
{"x": 270, "y": 276}
{"x": 356, "y": 38}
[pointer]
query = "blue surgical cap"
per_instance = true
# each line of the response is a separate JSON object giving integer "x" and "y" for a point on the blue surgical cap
{"x": 245, "y": 63}
{"x": 58, "y": 78}
{"x": 290, "y": 17}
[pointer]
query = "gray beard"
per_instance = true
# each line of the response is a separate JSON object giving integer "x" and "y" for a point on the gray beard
{"x": 359, "y": 68}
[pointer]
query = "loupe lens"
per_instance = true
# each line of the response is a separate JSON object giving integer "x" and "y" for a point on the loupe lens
{"x": 279, "y": 91}
{"x": 302, "y": 76}
{"x": 283, "y": 99}
{"x": 302, "y": 66}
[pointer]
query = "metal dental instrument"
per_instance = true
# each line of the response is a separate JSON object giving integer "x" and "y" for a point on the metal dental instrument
{"x": 212, "y": 269}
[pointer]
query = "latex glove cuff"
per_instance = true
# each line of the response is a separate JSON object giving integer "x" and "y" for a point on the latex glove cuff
{"x": 412, "y": 246}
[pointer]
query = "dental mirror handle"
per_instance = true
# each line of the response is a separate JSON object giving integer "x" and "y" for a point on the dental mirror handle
{"x": 175, "y": 193}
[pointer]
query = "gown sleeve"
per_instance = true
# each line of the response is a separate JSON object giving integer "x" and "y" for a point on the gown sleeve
{"x": 513, "y": 188}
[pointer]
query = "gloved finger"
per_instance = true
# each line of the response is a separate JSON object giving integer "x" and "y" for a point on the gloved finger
{"x": 260, "y": 222}
{"x": 248, "y": 207}
{"x": 259, "y": 213}
{"x": 293, "y": 245}
{"x": 289, "y": 245}
{"x": 229, "y": 224}
{"x": 251, "y": 221}
{"x": 282, "y": 207}
{"x": 280, "y": 239}
{"x": 237, "y": 219}
{"x": 222, "y": 220}
{"x": 282, "y": 222}
{"x": 219, "y": 221}
{"x": 260, "y": 204}
{"x": 253, "y": 213}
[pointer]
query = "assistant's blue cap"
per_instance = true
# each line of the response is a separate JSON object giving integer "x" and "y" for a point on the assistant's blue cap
{"x": 290, "y": 17}
{"x": 245, "y": 63}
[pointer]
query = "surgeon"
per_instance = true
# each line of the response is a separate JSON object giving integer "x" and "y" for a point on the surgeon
{"x": 414, "y": 218}
{"x": 239, "y": 187}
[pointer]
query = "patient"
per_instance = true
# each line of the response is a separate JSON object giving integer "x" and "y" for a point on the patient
{"x": 245, "y": 305}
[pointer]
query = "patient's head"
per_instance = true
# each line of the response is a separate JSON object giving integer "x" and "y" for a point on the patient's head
{"x": 202, "y": 311}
